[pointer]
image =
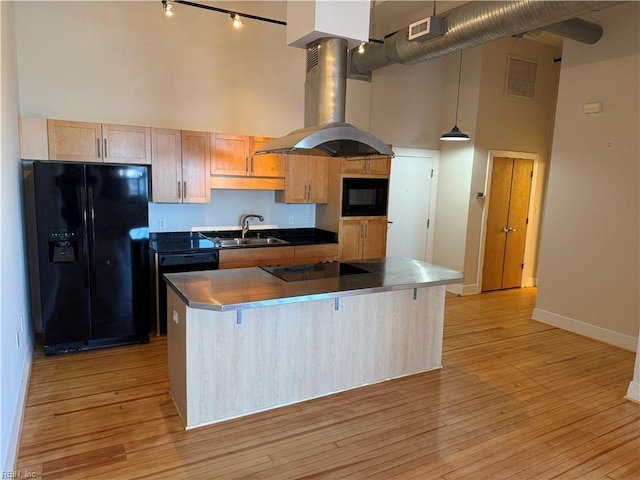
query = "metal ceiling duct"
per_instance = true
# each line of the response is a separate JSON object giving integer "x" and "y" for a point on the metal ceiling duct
{"x": 476, "y": 23}
{"x": 468, "y": 25}
{"x": 325, "y": 95}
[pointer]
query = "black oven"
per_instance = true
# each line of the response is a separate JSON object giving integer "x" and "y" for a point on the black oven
{"x": 364, "y": 196}
{"x": 175, "y": 262}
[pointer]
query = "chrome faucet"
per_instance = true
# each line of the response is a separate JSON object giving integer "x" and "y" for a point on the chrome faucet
{"x": 244, "y": 222}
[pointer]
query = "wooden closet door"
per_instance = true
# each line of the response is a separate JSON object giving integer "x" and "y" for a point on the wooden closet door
{"x": 506, "y": 223}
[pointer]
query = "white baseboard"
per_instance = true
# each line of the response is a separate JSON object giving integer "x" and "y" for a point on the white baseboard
{"x": 461, "y": 290}
{"x": 586, "y": 329}
{"x": 9, "y": 461}
{"x": 633, "y": 393}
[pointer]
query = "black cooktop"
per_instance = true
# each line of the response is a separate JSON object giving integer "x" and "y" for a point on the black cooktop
{"x": 314, "y": 271}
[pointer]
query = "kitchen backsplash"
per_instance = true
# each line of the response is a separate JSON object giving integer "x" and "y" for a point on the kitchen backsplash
{"x": 225, "y": 208}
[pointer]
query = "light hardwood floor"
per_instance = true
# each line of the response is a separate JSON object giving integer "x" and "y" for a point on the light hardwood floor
{"x": 516, "y": 399}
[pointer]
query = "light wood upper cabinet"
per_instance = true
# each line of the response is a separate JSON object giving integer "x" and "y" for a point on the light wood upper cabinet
{"x": 233, "y": 155}
{"x": 166, "y": 171}
{"x": 96, "y": 142}
{"x": 229, "y": 154}
{"x": 306, "y": 179}
{"x": 265, "y": 165}
{"x": 362, "y": 238}
{"x": 76, "y": 141}
{"x": 180, "y": 168}
{"x": 367, "y": 166}
{"x": 33, "y": 138}
{"x": 196, "y": 160}
{"x": 126, "y": 144}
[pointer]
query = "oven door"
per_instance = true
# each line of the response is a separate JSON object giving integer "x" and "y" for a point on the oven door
{"x": 174, "y": 263}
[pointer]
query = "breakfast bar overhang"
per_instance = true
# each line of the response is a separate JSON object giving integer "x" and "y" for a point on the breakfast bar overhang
{"x": 246, "y": 340}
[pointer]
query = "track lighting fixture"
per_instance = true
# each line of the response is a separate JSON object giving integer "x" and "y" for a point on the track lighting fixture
{"x": 168, "y": 8}
{"x": 455, "y": 135}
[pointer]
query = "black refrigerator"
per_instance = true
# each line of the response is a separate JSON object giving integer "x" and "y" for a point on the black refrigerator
{"x": 93, "y": 264}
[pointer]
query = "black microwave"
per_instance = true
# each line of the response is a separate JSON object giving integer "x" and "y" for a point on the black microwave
{"x": 364, "y": 196}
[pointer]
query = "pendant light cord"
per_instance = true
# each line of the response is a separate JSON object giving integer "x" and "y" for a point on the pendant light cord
{"x": 458, "y": 96}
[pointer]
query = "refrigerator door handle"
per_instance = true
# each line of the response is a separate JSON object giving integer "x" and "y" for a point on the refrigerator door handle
{"x": 85, "y": 236}
{"x": 92, "y": 248}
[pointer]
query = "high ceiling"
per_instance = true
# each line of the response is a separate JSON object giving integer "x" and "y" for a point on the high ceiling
{"x": 387, "y": 16}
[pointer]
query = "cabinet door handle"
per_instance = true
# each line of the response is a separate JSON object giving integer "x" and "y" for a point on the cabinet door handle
{"x": 309, "y": 198}
{"x": 104, "y": 151}
{"x": 179, "y": 191}
{"x": 366, "y": 229}
{"x": 184, "y": 190}
{"x": 247, "y": 167}
{"x": 98, "y": 146}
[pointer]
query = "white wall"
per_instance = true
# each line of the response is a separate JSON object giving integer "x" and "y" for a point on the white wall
{"x": 406, "y": 102}
{"x": 16, "y": 338}
{"x": 107, "y": 62}
{"x": 515, "y": 124}
{"x": 456, "y": 162}
{"x": 589, "y": 277}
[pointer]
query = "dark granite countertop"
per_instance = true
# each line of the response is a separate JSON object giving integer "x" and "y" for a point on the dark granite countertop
{"x": 201, "y": 241}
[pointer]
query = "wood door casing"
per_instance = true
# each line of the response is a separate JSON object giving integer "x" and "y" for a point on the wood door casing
{"x": 506, "y": 223}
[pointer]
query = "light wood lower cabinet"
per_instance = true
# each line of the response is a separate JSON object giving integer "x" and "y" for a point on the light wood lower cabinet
{"x": 274, "y": 256}
{"x": 316, "y": 253}
{"x": 361, "y": 238}
{"x": 256, "y": 257}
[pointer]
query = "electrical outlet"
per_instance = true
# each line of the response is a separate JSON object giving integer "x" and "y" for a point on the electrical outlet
{"x": 291, "y": 220}
{"x": 309, "y": 220}
{"x": 162, "y": 223}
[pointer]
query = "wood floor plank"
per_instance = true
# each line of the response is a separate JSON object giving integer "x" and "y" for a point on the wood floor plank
{"x": 515, "y": 399}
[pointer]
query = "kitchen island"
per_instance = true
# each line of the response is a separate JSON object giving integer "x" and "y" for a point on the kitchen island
{"x": 250, "y": 339}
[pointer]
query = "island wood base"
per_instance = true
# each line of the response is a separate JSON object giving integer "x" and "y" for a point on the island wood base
{"x": 221, "y": 369}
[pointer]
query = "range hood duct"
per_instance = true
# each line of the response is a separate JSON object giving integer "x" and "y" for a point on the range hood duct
{"x": 325, "y": 95}
{"x": 476, "y": 23}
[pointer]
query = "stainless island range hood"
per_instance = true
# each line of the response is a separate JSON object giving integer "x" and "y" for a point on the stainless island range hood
{"x": 325, "y": 93}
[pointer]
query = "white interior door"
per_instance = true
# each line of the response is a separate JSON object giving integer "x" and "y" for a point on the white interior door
{"x": 412, "y": 190}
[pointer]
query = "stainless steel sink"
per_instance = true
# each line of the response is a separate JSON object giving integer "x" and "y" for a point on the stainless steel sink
{"x": 248, "y": 242}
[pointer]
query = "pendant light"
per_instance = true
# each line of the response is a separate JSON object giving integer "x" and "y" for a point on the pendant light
{"x": 455, "y": 135}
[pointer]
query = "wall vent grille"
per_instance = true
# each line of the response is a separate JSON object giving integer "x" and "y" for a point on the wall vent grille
{"x": 521, "y": 77}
